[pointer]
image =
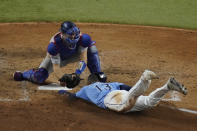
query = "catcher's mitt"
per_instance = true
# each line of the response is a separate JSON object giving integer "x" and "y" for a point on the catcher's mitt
{"x": 70, "y": 80}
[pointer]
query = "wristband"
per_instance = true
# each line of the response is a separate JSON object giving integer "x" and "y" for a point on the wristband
{"x": 81, "y": 68}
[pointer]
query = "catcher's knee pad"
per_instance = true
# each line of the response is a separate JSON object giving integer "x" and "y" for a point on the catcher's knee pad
{"x": 97, "y": 77}
{"x": 36, "y": 75}
{"x": 93, "y": 60}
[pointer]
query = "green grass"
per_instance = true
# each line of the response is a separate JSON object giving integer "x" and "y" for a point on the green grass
{"x": 172, "y": 13}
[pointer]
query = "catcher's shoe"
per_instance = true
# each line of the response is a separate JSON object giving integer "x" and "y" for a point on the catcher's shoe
{"x": 97, "y": 77}
{"x": 174, "y": 85}
{"x": 149, "y": 75}
{"x": 18, "y": 76}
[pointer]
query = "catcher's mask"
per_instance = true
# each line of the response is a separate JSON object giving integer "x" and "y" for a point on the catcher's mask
{"x": 70, "y": 34}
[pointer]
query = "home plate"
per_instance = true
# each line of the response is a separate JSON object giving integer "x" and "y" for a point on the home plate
{"x": 53, "y": 86}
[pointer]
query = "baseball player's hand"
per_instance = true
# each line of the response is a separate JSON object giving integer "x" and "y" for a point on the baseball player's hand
{"x": 70, "y": 80}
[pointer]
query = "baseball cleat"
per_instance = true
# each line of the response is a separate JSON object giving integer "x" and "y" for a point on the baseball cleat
{"x": 18, "y": 76}
{"x": 149, "y": 75}
{"x": 174, "y": 85}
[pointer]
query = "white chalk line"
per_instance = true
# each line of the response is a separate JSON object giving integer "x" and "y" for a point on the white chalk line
{"x": 183, "y": 110}
{"x": 174, "y": 96}
{"x": 187, "y": 110}
{"x": 25, "y": 94}
{"x": 4, "y": 63}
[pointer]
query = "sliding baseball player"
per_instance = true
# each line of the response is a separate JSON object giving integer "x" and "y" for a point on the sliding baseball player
{"x": 123, "y": 98}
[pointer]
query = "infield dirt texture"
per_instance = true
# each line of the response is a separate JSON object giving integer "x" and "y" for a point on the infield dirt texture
{"x": 125, "y": 52}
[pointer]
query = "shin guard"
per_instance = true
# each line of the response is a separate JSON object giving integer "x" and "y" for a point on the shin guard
{"x": 36, "y": 75}
{"x": 93, "y": 60}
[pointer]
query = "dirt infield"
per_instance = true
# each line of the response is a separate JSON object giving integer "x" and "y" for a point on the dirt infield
{"x": 125, "y": 52}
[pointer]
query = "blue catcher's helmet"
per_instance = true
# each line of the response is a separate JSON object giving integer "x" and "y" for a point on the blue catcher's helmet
{"x": 70, "y": 29}
{"x": 66, "y": 25}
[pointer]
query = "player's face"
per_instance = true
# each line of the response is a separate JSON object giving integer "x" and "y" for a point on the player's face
{"x": 67, "y": 36}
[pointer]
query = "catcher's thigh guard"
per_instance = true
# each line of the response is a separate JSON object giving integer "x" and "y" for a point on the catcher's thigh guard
{"x": 47, "y": 64}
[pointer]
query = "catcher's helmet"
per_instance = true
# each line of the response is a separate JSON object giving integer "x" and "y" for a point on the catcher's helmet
{"x": 66, "y": 26}
{"x": 69, "y": 28}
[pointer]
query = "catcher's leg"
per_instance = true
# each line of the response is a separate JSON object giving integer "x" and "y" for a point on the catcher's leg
{"x": 93, "y": 62}
{"x": 47, "y": 64}
{"x": 36, "y": 75}
{"x": 145, "y": 102}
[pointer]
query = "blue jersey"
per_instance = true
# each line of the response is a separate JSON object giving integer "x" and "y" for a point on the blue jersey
{"x": 96, "y": 92}
{"x": 57, "y": 45}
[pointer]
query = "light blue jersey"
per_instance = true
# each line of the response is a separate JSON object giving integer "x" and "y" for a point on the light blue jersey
{"x": 96, "y": 92}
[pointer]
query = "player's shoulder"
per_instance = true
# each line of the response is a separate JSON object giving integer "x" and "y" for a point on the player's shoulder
{"x": 52, "y": 48}
{"x": 86, "y": 40}
{"x": 55, "y": 38}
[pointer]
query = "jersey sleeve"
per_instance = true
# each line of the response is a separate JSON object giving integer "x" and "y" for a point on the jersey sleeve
{"x": 52, "y": 49}
{"x": 86, "y": 41}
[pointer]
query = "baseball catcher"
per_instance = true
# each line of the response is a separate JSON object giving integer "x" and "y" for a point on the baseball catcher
{"x": 67, "y": 46}
{"x": 123, "y": 98}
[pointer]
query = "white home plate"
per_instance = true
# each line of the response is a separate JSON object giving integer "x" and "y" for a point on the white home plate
{"x": 53, "y": 86}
